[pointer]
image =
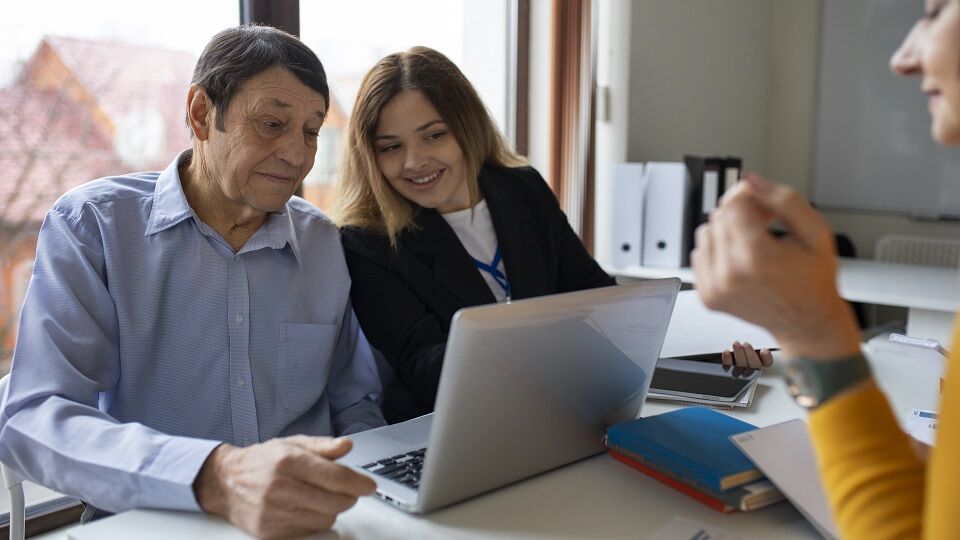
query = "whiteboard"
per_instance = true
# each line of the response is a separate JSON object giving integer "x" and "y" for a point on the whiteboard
{"x": 873, "y": 149}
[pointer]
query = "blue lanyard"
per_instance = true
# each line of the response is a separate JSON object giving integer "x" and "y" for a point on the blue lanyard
{"x": 492, "y": 269}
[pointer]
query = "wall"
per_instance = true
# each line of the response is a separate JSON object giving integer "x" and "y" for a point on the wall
{"x": 685, "y": 97}
{"x": 792, "y": 86}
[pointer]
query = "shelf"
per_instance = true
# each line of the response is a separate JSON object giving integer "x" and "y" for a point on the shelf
{"x": 859, "y": 280}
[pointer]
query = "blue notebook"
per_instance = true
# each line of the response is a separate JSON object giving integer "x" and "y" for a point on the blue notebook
{"x": 693, "y": 443}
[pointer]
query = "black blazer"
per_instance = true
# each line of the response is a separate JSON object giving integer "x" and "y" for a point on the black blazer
{"x": 405, "y": 299}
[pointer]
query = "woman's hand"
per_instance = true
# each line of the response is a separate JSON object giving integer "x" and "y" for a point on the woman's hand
{"x": 743, "y": 356}
{"x": 787, "y": 284}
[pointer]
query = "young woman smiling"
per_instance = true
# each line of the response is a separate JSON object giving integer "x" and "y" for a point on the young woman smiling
{"x": 437, "y": 214}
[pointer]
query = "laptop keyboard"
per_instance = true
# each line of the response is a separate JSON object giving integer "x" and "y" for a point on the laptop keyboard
{"x": 403, "y": 468}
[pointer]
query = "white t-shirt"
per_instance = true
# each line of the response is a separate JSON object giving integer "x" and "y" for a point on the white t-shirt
{"x": 479, "y": 238}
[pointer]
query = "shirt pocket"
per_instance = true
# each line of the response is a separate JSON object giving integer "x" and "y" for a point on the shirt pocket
{"x": 305, "y": 363}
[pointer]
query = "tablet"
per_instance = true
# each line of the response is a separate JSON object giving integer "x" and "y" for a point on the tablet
{"x": 701, "y": 380}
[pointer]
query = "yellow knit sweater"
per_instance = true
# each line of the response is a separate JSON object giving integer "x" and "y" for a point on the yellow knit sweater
{"x": 877, "y": 486}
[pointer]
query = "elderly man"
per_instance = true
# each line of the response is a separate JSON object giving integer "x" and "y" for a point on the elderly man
{"x": 177, "y": 320}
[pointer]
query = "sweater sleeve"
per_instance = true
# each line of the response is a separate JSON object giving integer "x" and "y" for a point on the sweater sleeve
{"x": 876, "y": 485}
{"x": 940, "y": 516}
{"x": 873, "y": 479}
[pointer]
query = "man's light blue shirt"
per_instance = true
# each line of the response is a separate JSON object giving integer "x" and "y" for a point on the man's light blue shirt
{"x": 145, "y": 341}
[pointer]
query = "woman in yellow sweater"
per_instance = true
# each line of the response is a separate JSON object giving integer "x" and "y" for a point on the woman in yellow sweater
{"x": 877, "y": 486}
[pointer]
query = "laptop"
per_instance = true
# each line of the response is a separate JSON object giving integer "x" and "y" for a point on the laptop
{"x": 526, "y": 387}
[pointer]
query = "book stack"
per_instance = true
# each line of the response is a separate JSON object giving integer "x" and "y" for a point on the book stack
{"x": 690, "y": 450}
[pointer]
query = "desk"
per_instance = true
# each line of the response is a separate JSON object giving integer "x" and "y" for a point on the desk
{"x": 931, "y": 295}
{"x": 594, "y": 498}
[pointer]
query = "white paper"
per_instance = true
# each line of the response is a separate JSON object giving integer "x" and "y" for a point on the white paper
{"x": 680, "y": 528}
{"x": 922, "y": 426}
{"x": 694, "y": 329}
{"x": 784, "y": 453}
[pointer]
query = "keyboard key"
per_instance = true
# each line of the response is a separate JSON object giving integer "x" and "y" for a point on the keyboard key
{"x": 393, "y": 475}
{"x": 403, "y": 468}
{"x": 389, "y": 469}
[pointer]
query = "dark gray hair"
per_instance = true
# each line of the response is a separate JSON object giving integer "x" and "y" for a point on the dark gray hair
{"x": 236, "y": 54}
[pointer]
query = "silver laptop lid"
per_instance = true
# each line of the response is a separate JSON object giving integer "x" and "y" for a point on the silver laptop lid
{"x": 532, "y": 385}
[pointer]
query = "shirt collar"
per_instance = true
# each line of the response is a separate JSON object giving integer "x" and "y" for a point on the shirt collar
{"x": 170, "y": 207}
{"x": 276, "y": 232}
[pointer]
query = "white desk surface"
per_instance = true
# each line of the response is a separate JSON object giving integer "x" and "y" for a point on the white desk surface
{"x": 861, "y": 280}
{"x": 936, "y": 289}
{"x": 595, "y": 498}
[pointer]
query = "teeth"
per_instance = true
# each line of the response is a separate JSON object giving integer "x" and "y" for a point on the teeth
{"x": 425, "y": 179}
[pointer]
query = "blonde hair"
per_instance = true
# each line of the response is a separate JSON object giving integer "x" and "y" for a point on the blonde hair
{"x": 364, "y": 198}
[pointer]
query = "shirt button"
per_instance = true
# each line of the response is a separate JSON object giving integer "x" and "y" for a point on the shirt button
{"x": 240, "y": 318}
{"x": 241, "y": 382}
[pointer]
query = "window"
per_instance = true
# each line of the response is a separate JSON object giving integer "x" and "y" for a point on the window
{"x": 350, "y": 37}
{"x": 87, "y": 89}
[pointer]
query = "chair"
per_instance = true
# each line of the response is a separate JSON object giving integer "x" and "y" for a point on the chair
{"x": 918, "y": 250}
{"x": 846, "y": 248}
{"x": 14, "y": 485}
{"x": 909, "y": 250}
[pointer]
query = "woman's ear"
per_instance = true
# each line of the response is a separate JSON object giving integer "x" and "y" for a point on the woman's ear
{"x": 199, "y": 112}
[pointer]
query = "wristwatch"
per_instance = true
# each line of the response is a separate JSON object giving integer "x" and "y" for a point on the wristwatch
{"x": 813, "y": 382}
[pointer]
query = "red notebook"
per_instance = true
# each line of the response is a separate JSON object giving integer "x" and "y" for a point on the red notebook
{"x": 691, "y": 492}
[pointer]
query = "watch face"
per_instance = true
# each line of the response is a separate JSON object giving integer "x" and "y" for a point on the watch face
{"x": 801, "y": 386}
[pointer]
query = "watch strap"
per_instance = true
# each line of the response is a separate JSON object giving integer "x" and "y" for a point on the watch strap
{"x": 824, "y": 379}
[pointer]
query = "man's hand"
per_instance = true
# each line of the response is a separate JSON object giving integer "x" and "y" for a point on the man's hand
{"x": 786, "y": 285}
{"x": 281, "y": 488}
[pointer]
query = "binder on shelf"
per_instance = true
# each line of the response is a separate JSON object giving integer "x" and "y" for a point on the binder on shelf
{"x": 706, "y": 185}
{"x": 732, "y": 167}
{"x": 710, "y": 178}
{"x": 657, "y": 206}
{"x": 626, "y": 217}
{"x": 665, "y": 241}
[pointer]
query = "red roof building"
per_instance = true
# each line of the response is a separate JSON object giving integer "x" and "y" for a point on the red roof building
{"x": 79, "y": 110}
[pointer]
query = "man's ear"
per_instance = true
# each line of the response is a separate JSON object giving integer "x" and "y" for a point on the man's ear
{"x": 199, "y": 112}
